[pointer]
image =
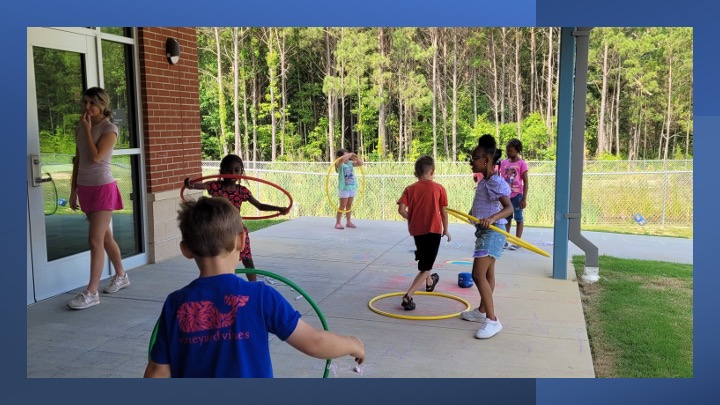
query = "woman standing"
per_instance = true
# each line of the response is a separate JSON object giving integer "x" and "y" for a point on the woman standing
{"x": 95, "y": 192}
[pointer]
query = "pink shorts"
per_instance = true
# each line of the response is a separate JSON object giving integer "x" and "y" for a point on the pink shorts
{"x": 99, "y": 198}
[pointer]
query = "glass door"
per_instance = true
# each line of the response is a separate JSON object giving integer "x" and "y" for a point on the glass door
{"x": 61, "y": 63}
{"x": 60, "y": 66}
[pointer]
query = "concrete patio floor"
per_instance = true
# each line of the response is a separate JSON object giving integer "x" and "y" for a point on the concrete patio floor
{"x": 544, "y": 333}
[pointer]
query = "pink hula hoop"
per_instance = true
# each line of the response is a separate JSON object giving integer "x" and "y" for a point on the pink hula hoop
{"x": 239, "y": 177}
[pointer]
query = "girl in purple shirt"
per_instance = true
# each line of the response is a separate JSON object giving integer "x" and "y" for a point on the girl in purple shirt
{"x": 491, "y": 205}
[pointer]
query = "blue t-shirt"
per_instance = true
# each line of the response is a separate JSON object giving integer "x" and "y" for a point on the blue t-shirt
{"x": 487, "y": 198}
{"x": 218, "y": 327}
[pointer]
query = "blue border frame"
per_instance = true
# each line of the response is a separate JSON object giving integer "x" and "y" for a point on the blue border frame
{"x": 16, "y": 17}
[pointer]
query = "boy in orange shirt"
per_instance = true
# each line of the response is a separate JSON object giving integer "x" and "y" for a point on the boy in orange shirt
{"x": 422, "y": 205}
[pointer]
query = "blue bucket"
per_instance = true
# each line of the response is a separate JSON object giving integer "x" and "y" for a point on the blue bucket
{"x": 639, "y": 219}
{"x": 465, "y": 280}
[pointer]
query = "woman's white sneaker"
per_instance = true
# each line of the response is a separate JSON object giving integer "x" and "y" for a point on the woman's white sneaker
{"x": 117, "y": 283}
{"x": 84, "y": 300}
{"x": 488, "y": 329}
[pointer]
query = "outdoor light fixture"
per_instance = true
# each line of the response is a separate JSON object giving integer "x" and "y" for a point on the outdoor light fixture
{"x": 173, "y": 50}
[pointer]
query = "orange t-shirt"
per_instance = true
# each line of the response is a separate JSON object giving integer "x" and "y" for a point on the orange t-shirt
{"x": 424, "y": 199}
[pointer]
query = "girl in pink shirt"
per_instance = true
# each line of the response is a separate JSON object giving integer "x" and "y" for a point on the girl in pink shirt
{"x": 515, "y": 172}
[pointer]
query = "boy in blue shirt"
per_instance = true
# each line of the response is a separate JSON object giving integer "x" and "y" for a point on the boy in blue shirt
{"x": 218, "y": 325}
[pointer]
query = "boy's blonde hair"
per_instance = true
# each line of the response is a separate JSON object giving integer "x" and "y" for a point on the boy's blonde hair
{"x": 209, "y": 226}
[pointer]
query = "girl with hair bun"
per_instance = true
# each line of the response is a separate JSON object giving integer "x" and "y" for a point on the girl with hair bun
{"x": 491, "y": 205}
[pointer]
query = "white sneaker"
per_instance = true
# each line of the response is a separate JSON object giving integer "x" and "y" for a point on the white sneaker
{"x": 488, "y": 329}
{"x": 473, "y": 315}
{"x": 117, "y": 283}
{"x": 513, "y": 247}
{"x": 84, "y": 300}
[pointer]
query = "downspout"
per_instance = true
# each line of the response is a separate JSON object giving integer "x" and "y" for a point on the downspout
{"x": 591, "y": 273}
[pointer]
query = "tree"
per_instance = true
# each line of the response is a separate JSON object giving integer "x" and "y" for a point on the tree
{"x": 272, "y": 60}
{"x": 221, "y": 94}
{"x": 330, "y": 91}
{"x": 417, "y": 88}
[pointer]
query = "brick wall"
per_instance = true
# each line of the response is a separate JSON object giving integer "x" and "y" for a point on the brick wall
{"x": 171, "y": 127}
{"x": 171, "y": 108}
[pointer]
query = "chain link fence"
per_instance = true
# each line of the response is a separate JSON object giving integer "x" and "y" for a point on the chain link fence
{"x": 613, "y": 191}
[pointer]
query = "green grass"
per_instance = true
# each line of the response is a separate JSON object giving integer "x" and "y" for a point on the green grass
{"x": 261, "y": 223}
{"x": 631, "y": 229}
{"x": 639, "y": 318}
{"x": 654, "y": 230}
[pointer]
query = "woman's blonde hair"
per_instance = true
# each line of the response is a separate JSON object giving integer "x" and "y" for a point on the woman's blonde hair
{"x": 101, "y": 99}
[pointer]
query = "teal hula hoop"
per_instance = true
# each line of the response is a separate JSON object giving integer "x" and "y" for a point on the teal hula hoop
{"x": 280, "y": 278}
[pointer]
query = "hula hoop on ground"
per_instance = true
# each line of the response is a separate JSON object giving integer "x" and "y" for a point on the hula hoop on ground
{"x": 237, "y": 176}
{"x": 417, "y": 317}
{"x": 327, "y": 188}
{"x": 282, "y": 279}
{"x": 470, "y": 219}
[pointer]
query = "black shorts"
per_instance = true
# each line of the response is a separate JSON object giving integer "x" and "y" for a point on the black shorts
{"x": 427, "y": 247}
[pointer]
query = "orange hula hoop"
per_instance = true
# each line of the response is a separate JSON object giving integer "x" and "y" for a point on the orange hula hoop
{"x": 239, "y": 177}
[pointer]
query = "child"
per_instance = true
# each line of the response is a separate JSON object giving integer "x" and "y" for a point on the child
{"x": 344, "y": 163}
{"x": 237, "y": 194}
{"x": 422, "y": 205}
{"x": 478, "y": 176}
{"x": 515, "y": 172}
{"x": 491, "y": 205}
{"x": 218, "y": 325}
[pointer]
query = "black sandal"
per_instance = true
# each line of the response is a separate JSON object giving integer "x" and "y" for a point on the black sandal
{"x": 408, "y": 303}
{"x": 435, "y": 278}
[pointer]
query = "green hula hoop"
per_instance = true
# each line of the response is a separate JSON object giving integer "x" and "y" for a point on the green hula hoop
{"x": 280, "y": 278}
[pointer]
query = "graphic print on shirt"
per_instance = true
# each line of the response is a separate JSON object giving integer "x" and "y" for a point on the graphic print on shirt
{"x": 196, "y": 316}
{"x": 510, "y": 174}
{"x": 349, "y": 175}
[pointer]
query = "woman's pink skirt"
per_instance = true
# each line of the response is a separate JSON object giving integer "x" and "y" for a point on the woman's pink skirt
{"x": 99, "y": 198}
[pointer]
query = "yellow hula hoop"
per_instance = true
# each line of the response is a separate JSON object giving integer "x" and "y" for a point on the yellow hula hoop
{"x": 470, "y": 219}
{"x": 418, "y": 317}
{"x": 327, "y": 188}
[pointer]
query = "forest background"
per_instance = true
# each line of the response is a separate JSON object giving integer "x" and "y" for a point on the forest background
{"x": 285, "y": 99}
{"x": 392, "y": 94}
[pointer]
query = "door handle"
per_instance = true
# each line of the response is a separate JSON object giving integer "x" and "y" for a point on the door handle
{"x": 37, "y": 179}
{"x": 46, "y": 179}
